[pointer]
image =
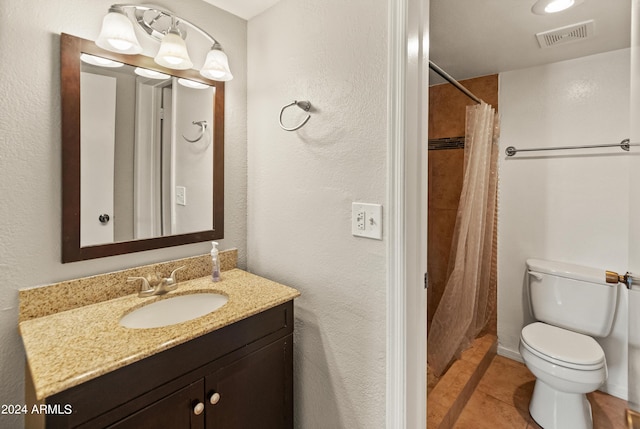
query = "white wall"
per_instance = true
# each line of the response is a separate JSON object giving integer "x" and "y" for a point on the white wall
{"x": 570, "y": 205}
{"x": 301, "y": 185}
{"x": 30, "y": 161}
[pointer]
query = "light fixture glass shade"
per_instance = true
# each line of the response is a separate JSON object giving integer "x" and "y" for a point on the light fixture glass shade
{"x": 117, "y": 34}
{"x": 216, "y": 66}
{"x": 173, "y": 52}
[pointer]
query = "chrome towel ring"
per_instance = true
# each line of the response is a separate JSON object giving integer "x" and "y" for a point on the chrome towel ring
{"x": 203, "y": 127}
{"x": 304, "y": 105}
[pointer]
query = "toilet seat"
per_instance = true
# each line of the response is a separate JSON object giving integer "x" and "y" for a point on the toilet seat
{"x": 562, "y": 347}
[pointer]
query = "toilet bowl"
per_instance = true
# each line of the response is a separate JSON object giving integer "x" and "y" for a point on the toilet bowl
{"x": 567, "y": 365}
{"x": 571, "y": 303}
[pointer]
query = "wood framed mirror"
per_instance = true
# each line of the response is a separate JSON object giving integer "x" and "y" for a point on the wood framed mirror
{"x": 75, "y": 245}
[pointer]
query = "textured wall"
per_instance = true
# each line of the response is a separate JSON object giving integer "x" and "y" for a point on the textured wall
{"x": 567, "y": 206}
{"x": 30, "y": 162}
{"x": 301, "y": 185}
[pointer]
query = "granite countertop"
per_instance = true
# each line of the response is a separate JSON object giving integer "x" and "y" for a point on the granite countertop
{"x": 71, "y": 347}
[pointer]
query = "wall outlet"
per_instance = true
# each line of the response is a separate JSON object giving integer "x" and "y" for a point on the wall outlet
{"x": 360, "y": 225}
{"x": 366, "y": 220}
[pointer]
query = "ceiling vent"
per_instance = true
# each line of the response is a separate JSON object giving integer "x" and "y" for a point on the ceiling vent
{"x": 568, "y": 34}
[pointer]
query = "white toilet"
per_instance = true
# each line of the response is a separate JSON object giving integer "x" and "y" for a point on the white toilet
{"x": 572, "y": 303}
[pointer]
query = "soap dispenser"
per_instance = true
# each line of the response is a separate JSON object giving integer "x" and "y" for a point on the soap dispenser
{"x": 215, "y": 272}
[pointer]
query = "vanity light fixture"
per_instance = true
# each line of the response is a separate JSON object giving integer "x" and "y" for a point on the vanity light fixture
{"x": 118, "y": 35}
{"x": 545, "y": 7}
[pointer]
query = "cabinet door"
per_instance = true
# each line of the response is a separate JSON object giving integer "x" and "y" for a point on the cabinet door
{"x": 176, "y": 411}
{"x": 253, "y": 392}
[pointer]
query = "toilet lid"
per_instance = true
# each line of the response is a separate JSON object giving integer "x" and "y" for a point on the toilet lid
{"x": 565, "y": 347}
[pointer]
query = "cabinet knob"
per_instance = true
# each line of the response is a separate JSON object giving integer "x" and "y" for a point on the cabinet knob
{"x": 214, "y": 398}
{"x": 198, "y": 409}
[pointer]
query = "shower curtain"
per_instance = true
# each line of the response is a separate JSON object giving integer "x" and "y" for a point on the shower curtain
{"x": 463, "y": 310}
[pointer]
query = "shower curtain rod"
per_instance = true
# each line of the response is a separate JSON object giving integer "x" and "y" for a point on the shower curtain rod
{"x": 433, "y": 66}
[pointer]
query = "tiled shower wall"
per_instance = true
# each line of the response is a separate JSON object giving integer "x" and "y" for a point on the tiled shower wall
{"x": 447, "y": 108}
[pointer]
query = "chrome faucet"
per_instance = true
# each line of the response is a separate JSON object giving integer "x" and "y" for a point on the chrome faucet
{"x": 154, "y": 285}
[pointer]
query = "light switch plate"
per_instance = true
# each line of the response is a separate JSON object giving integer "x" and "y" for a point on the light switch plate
{"x": 181, "y": 195}
{"x": 366, "y": 220}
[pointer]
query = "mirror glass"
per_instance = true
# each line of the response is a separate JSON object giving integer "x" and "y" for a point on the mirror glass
{"x": 142, "y": 153}
{"x": 136, "y": 165}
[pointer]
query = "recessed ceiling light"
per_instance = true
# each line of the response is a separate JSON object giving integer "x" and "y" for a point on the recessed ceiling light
{"x": 544, "y": 7}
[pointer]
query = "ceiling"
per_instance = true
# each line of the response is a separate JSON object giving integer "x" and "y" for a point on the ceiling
{"x": 245, "y": 9}
{"x": 470, "y": 38}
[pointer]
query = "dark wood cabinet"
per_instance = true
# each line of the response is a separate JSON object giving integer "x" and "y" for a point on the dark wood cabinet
{"x": 252, "y": 392}
{"x": 177, "y": 410}
{"x": 246, "y": 368}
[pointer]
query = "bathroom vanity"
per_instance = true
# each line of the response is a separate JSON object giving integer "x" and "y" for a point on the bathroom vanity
{"x": 239, "y": 376}
{"x": 232, "y": 368}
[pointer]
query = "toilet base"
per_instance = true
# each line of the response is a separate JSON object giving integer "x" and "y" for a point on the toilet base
{"x": 552, "y": 409}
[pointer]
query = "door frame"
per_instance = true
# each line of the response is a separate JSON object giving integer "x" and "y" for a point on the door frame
{"x": 407, "y": 213}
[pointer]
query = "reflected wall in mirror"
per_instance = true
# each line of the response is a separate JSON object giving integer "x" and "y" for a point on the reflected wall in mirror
{"x": 143, "y": 153}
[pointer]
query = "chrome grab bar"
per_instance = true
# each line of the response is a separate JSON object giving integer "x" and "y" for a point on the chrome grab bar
{"x": 624, "y": 145}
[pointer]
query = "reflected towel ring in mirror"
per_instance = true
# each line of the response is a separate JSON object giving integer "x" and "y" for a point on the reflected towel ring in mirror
{"x": 304, "y": 105}
{"x": 203, "y": 128}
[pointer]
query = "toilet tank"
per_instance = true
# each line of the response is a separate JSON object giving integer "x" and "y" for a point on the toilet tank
{"x": 572, "y": 296}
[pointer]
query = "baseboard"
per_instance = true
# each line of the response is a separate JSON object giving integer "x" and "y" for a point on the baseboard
{"x": 619, "y": 391}
{"x": 509, "y": 353}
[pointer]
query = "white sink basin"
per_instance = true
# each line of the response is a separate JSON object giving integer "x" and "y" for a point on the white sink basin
{"x": 171, "y": 311}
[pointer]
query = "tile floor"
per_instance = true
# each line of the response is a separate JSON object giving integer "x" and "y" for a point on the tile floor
{"x": 501, "y": 400}
{"x": 449, "y": 394}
